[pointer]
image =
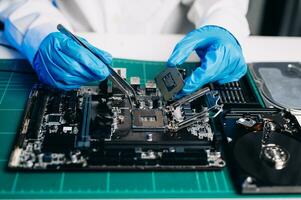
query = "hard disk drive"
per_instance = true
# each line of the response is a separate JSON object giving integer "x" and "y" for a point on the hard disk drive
{"x": 264, "y": 144}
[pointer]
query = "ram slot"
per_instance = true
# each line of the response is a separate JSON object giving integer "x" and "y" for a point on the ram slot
{"x": 83, "y": 139}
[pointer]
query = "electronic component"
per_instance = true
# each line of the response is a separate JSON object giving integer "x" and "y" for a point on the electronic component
{"x": 102, "y": 127}
{"x": 148, "y": 120}
{"x": 135, "y": 82}
{"x": 179, "y": 121}
{"x": 264, "y": 149}
{"x": 169, "y": 82}
{"x": 237, "y": 94}
{"x": 121, "y": 72}
{"x": 83, "y": 139}
{"x": 279, "y": 84}
{"x": 150, "y": 87}
{"x": 54, "y": 119}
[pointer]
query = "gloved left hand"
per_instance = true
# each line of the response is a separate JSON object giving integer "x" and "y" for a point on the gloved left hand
{"x": 221, "y": 57}
{"x": 62, "y": 63}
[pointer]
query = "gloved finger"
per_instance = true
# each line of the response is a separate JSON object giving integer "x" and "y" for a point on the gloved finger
{"x": 89, "y": 62}
{"x": 64, "y": 68}
{"x": 68, "y": 67}
{"x": 107, "y": 57}
{"x": 236, "y": 75}
{"x": 67, "y": 78}
{"x": 208, "y": 71}
{"x": 186, "y": 46}
{"x": 46, "y": 77}
{"x": 53, "y": 55}
{"x": 237, "y": 72}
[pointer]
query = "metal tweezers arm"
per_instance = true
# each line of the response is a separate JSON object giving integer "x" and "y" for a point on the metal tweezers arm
{"x": 123, "y": 85}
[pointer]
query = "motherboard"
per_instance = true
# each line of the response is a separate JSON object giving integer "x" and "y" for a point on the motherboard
{"x": 101, "y": 127}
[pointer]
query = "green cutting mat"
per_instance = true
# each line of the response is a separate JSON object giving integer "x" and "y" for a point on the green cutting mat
{"x": 14, "y": 90}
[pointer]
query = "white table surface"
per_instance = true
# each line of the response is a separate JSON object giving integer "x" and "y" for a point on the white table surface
{"x": 159, "y": 47}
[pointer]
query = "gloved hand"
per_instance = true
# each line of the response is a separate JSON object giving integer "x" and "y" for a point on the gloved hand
{"x": 62, "y": 63}
{"x": 221, "y": 57}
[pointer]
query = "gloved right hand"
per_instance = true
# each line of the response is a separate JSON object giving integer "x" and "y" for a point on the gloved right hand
{"x": 61, "y": 62}
{"x": 221, "y": 55}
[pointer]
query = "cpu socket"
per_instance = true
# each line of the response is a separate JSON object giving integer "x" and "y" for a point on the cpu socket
{"x": 148, "y": 120}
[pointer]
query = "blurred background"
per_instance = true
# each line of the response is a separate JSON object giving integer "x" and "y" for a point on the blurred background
{"x": 271, "y": 17}
{"x": 275, "y": 17}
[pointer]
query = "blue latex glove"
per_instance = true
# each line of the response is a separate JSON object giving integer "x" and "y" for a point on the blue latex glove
{"x": 221, "y": 57}
{"x": 62, "y": 63}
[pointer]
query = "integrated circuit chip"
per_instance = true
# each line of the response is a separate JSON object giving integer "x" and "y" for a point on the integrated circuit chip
{"x": 169, "y": 82}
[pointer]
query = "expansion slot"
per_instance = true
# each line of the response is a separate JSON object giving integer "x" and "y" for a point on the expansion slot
{"x": 36, "y": 114}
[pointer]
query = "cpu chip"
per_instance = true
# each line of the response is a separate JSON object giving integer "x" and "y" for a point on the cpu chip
{"x": 169, "y": 82}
